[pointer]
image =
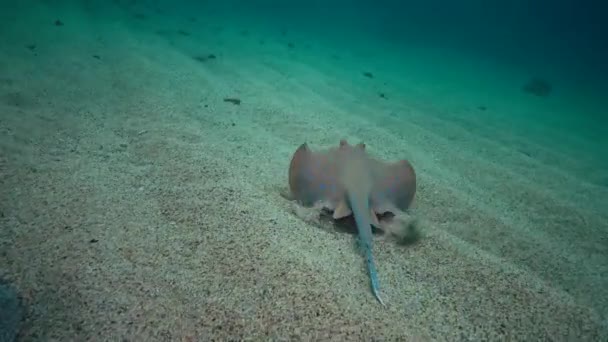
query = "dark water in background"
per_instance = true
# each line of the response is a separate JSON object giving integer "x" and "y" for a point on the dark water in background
{"x": 564, "y": 32}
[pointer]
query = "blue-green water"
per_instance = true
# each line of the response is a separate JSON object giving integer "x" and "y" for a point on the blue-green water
{"x": 567, "y": 36}
{"x": 124, "y": 171}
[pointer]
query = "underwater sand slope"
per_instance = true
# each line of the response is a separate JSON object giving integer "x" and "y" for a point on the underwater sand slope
{"x": 140, "y": 202}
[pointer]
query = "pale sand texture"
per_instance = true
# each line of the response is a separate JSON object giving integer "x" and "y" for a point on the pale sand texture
{"x": 180, "y": 191}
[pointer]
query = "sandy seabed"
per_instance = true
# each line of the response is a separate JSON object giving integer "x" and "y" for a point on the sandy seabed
{"x": 138, "y": 204}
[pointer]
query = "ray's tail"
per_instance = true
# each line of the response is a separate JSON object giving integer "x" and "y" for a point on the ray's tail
{"x": 360, "y": 208}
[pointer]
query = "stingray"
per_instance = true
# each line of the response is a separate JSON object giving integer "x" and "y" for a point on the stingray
{"x": 347, "y": 180}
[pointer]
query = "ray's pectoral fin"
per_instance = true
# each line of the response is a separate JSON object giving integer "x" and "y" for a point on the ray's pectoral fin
{"x": 395, "y": 187}
{"x": 373, "y": 219}
{"x": 342, "y": 210}
{"x": 311, "y": 176}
